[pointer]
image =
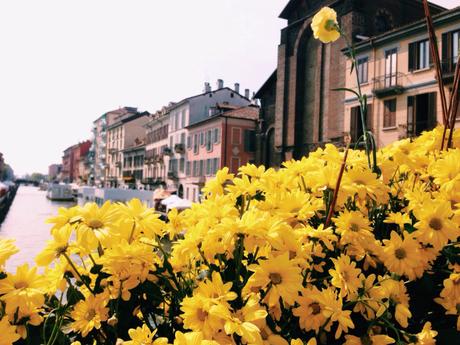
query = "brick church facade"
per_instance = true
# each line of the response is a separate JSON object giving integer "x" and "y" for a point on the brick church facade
{"x": 299, "y": 109}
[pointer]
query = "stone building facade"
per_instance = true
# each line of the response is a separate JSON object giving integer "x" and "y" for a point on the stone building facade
{"x": 299, "y": 109}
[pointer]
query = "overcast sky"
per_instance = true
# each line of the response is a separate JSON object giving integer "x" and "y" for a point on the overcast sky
{"x": 65, "y": 63}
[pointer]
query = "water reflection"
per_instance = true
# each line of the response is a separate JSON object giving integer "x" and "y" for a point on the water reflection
{"x": 26, "y": 223}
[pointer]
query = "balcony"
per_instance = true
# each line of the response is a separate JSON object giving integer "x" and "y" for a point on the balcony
{"x": 118, "y": 164}
{"x": 179, "y": 148}
{"x": 167, "y": 151}
{"x": 172, "y": 175}
{"x": 388, "y": 85}
{"x": 113, "y": 151}
{"x": 448, "y": 69}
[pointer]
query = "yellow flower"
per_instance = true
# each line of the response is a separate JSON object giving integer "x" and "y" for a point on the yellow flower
{"x": 426, "y": 336}
{"x": 379, "y": 339}
{"x": 353, "y": 227}
{"x": 281, "y": 276}
{"x": 345, "y": 275}
{"x": 435, "y": 226}
{"x": 143, "y": 336}
{"x": 332, "y": 309}
{"x": 7, "y": 248}
{"x": 8, "y": 332}
{"x": 325, "y": 26}
{"x": 23, "y": 290}
{"x": 398, "y": 218}
{"x": 89, "y": 314}
{"x": 401, "y": 255}
{"x": 310, "y": 310}
{"x": 55, "y": 247}
{"x": 203, "y": 314}
{"x": 192, "y": 338}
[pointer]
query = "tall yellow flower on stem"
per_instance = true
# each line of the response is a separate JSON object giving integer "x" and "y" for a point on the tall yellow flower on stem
{"x": 325, "y": 25}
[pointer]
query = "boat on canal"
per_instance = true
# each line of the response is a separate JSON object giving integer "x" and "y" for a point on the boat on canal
{"x": 60, "y": 192}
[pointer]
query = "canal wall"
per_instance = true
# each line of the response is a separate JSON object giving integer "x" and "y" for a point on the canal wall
{"x": 6, "y": 199}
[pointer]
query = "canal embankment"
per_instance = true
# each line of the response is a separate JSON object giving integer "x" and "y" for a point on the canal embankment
{"x": 26, "y": 222}
{"x": 7, "y": 193}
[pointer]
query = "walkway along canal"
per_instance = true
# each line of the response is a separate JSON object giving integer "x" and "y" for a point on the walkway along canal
{"x": 25, "y": 222}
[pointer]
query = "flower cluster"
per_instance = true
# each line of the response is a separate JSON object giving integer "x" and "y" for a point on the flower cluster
{"x": 269, "y": 257}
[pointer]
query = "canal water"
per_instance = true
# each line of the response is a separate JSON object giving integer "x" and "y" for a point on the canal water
{"x": 25, "y": 222}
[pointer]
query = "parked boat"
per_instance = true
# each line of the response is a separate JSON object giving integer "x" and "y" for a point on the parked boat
{"x": 60, "y": 192}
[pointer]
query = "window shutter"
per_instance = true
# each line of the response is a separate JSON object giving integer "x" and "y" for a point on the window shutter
{"x": 369, "y": 118}
{"x": 432, "y": 120}
{"x": 446, "y": 51}
{"x": 354, "y": 123}
{"x": 410, "y": 115}
{"x": 412, "y": 55}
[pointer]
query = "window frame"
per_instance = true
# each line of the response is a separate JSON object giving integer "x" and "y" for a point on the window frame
{"x": 389, "y": 115}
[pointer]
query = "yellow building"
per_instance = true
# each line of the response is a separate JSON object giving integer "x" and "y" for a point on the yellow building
{"x": 397, "y": 75}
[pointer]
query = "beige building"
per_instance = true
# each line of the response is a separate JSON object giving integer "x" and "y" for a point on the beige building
{"x": 127, "y": 131}
{"x": 156, "y": 161}
{"x": 397, "y": 75}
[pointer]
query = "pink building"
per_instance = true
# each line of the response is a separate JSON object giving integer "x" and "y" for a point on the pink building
{"x": 226, "y": 138}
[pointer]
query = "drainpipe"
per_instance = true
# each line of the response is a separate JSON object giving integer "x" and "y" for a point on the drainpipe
{"x": 225, "y": 144}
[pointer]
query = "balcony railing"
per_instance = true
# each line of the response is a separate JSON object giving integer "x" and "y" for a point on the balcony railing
{"x": 448, "y": 68}
{"x": 179, "y": 148}
{"x": 167, "y": 151}
{"x": 112, "y": 151}
{"x": 172, "y": 175}
{"x": 388, "y": 85}
{"x": 118, "y": 164}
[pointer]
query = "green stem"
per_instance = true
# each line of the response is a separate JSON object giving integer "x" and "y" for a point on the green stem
{"x": 77, "y": 273}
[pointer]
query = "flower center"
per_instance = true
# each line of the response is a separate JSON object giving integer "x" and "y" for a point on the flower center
{"x": 400, "y": 253}
{"x": 292, "y": 254}
{"x": 359, "y": 182}
{"x": 275, "y": 278}
{"x": 95, "y": 224}
{"x": 330, "y": 25}
{"x": 201, "y": 314}
{"x": 21, "y": 285}
{"x": 436, "y": 224}
{"x": 354, "y": 227}
{"x": 315, "y": 307}
{"x": 90, "y": 314}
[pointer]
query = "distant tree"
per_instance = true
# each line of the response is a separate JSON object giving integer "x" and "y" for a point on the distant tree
{"x": 7, "y": 173}
{"x": 38, "y": 177}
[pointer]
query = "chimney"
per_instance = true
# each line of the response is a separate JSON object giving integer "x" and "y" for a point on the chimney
{"x": 220, "y": 84}
{"x": 207, "y": 87}
{"x": 247, "y": 93}
{"x": 237, "y": 87}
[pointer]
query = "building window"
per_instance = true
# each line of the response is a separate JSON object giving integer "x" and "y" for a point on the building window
{"x": 208, "y": 167}
{"x": 202, "y": 138}
{"x": 450, "y": 50}
{"x": 189, "y": 142}
{"x": 201, "y": 170}
{"x": 356, "y": 125}
{"x": 208, "y": 140}
{"x": 249, "y": 140}
{"x": 235, "y": 164}
{"x": 182, "y": 165}
{"x": 391, "y": 67}
{"x": 215, "y": 166}
{"x": 362, "y": 67}
{"x": 389, "y": 113}
{"x": 182, "y": 138}
{"x": 195, "y": 144}
{"x": 236, "y": 136}
{"x": 194, "y": 172}
{"x": 187, "y": 169}
{"x": 419, "y": 55}
{"x": 183, "y": 118}
{"x": 216, "y": 135}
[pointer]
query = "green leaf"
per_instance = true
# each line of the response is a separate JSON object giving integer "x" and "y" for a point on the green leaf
{"x": 347, "y": 89}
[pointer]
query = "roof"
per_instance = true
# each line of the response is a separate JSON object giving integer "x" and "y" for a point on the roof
{"x": 185, "y": 100}
{"x": 292, "y": 4}
{"x": 119, "y": 111}
{"x": 272, "y": 78}
{"x": 407, "y": 30}
{"x": 250, "y": 112}
{"x": 128, "y": 117}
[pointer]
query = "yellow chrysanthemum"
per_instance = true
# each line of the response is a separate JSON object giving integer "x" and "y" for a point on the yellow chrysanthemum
{"x": 325, "y": 26}
{"x": 144, "y": 336}
{"x": 345, "y": 275}
{"x": 89, "y": 314}
{"x": 7, "y": 248}
{"x": 8, "y": 332}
